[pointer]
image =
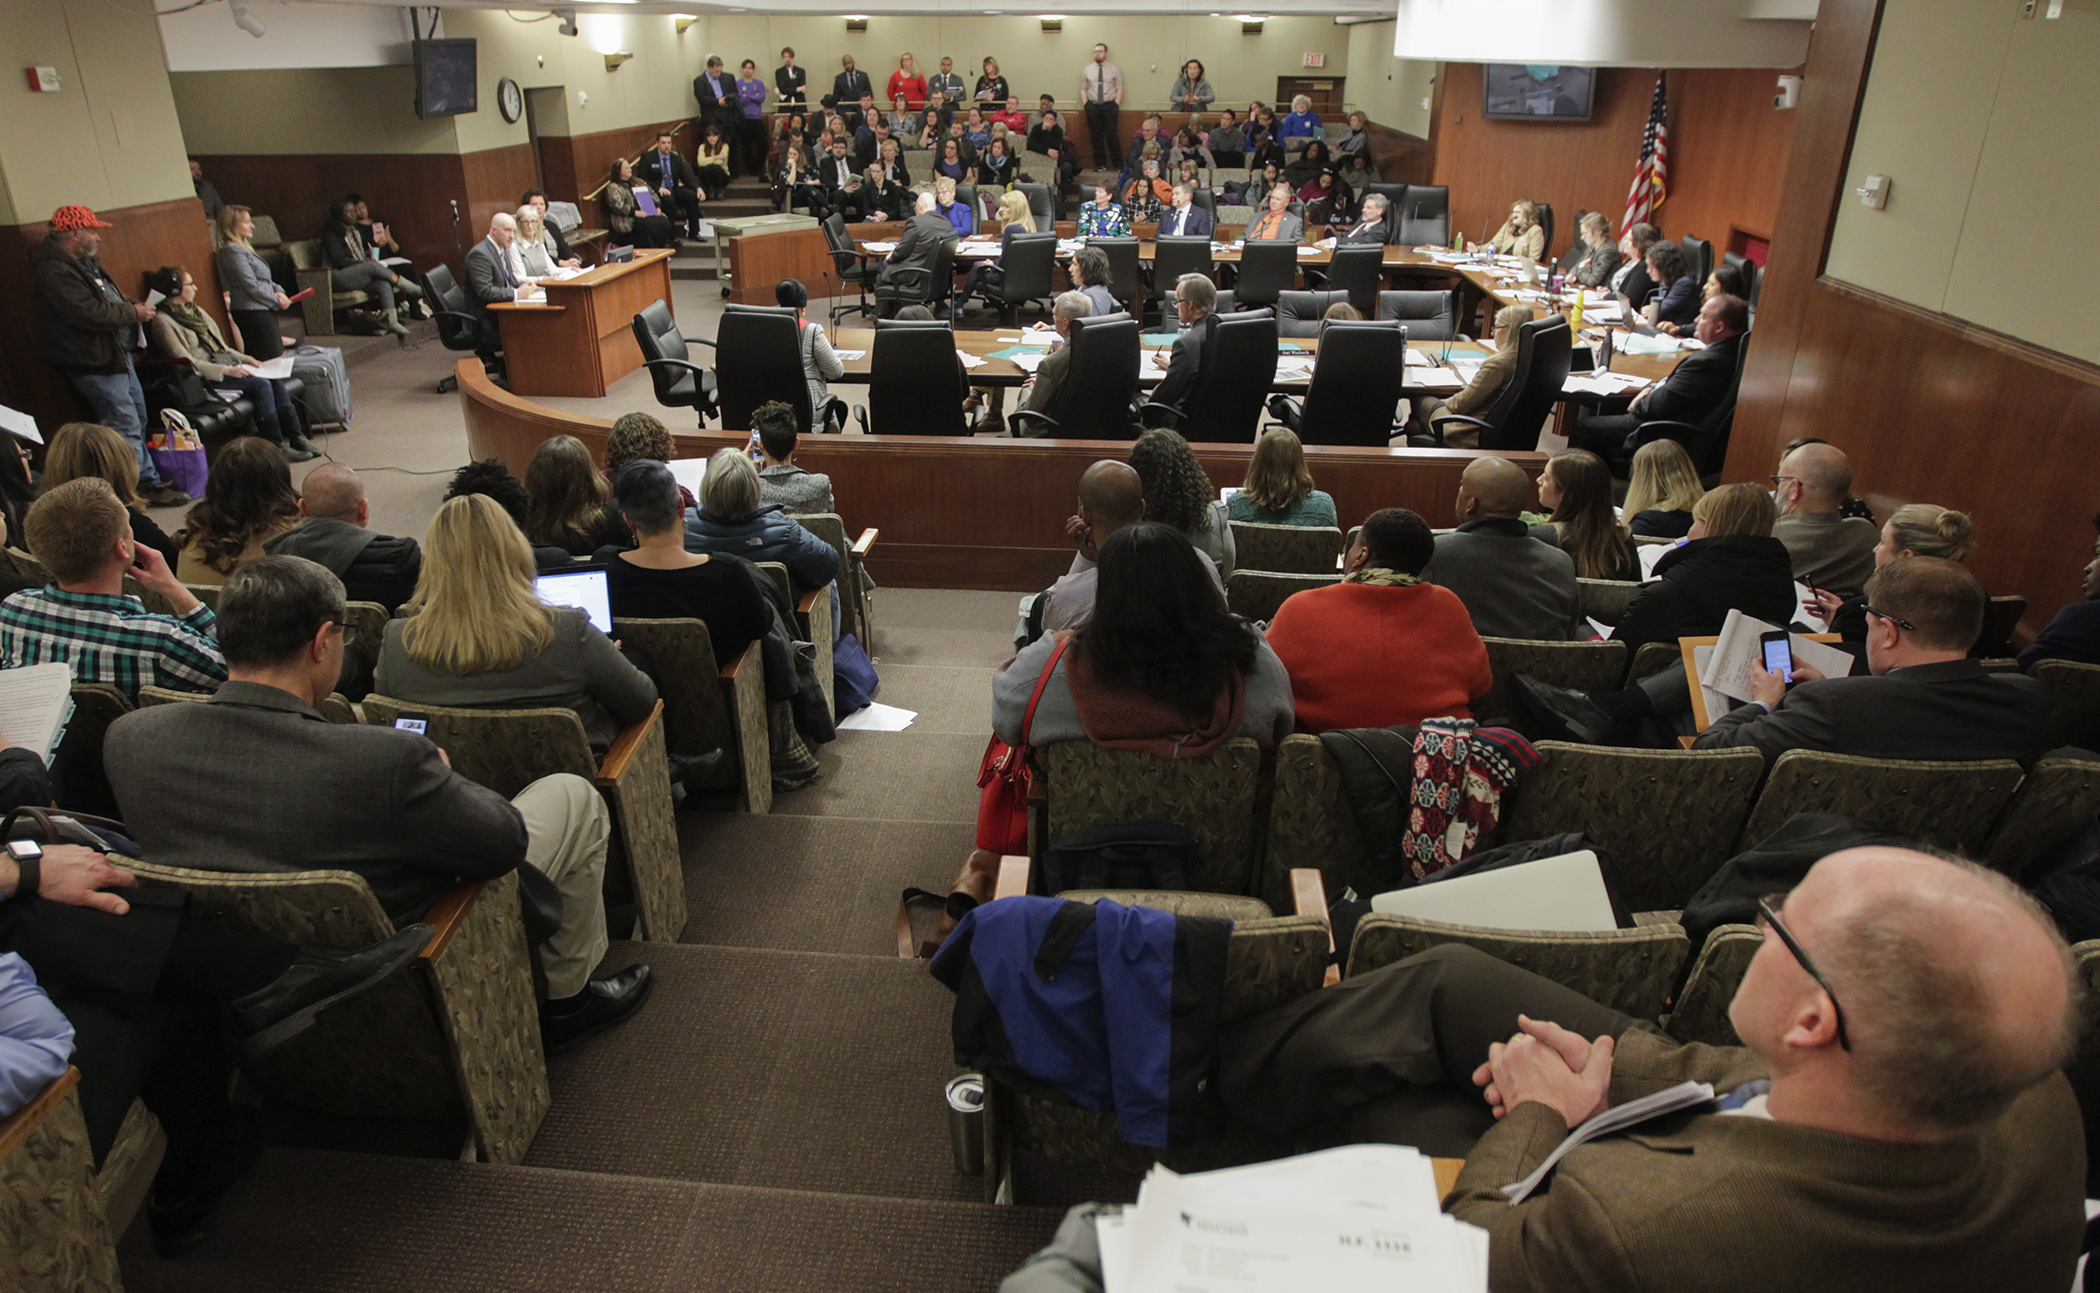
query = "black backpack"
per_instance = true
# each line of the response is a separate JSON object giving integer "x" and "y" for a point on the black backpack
{"x": 1123, "y": 855}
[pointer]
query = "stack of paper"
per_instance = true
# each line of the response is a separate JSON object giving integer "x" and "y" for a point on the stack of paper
{"x": 973, "y": 247}
{"x": 880, "y": 248}
{"x": 1306, "y": 251}
{"x": 1726, "y": 667}
{"x": 969, "y": 360}
{"x": 850, "y": 355}
{"x": 36, "y": 703}
{"x": 1418, "y": 359}
{"x": 1601, "y": 383}
{"x": 1027, "y": 362}
{"x": 1634, "y": 343}
{"x": 1348, "y": 1220}
{"x": 1684, "y": 1095}
{"x": 1294, "y": 370}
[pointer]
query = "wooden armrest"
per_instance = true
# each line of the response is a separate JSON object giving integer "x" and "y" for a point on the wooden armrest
{"x": 729, "y": 671}
{"x": 445, "y": 917}
{"x": 1013, "y": 877}
{"x": 808, "y": 601}
{"x": 16, "y": 1128}
{"x": 1309, "y": 897}
{"x": 864, "y": 542}
{"x": 626, "y": 745}
{"x": 1686, "y": 742}
{"x": 1447, "y": 1170}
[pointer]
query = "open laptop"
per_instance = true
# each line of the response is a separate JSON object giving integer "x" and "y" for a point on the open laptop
{"x": 1630, "y": 316}
{"x": 587, "y": 588}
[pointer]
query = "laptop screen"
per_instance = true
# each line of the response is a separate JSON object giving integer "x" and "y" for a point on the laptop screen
{"x": 586, "y": 590}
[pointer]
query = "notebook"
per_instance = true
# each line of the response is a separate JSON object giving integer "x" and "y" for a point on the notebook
{"x": 35, "y": 703}
{"x": 586, "y": 589}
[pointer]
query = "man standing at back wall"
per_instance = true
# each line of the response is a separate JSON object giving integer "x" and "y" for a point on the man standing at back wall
{"x": 1101, "y": 91}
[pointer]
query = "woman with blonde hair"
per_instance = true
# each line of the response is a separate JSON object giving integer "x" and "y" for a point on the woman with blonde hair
{"x": 1279, "y": 486}
{"x": 248, "y": 499}
{"x": 246, "y": 277}
{"x": 568, "y": 499}
{"x": 1912, "y": 530}
{"x": 81, "y": 449}
{"x": 481, "y": 637}
{"x": 1520, "y": 235}
{"x": 536, "y": 250}
{"x": 1017, "y": 217}
{"x": 1576, "y": 487}
{"x": 1665, "y": 484}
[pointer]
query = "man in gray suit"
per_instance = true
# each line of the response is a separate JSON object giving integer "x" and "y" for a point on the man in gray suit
{"x": 491, "y": 278}
{"x": 1514, "y": 586}
{"x": 1041, "y": 391}
{"x": 266, "y": 784}
{"x": 1195, "y": 304}
{"x": 1276, "y": 222}
{"x": 1925, "y": 699}
{"x": 917, "y": 250}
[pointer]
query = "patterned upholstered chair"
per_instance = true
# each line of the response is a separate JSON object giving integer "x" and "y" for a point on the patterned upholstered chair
{"x": 76, "y": 765}
{"x": 27, "y": 566}
{"x": 1286, "y": 549}
{"x": 366, "y": 628}
{"x": 707, "y": 707}
{"x": 2076, "y": 691}
{"x": 1632, "y": 970}
{"x": 335, "y": 707}
{"x": 856, "y": 596}
{"x": 1952, "y": 805}
{"x": 1211, "y": 796}
{"x": 1701, "y": 1011}
{"x": 509, "y": 749}
{"x": 1668, "y": 818}
{"x": 459, "y": 1034}
{"x": 1257, "y": 593}
{"x": 2084, "y": 1068}
{"x": 813, "y": 621}
{"x": 1585, "y": 666}
{"x": 1652, "y": 659}
{"x": 2058, "y": 796}
{"x": 1606, "y": 600}
{"x": 1310, "y": 826}
{"x": 59, "y": 1214}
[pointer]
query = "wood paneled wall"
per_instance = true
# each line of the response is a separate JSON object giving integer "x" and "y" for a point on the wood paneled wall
{"x": 1400, "y": 157}
{"x": 494, "y": 179}
{"x": 1728, "y": 150}
{"x": 1929, "y": 407}
{"x": 144, "y": 238}
{"x": 413, "y": 193}
{"x": 577, "y": 164}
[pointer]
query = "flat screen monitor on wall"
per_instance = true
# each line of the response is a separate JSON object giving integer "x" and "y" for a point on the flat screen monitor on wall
{"x": 1537, "y": 92}
{"x": 446, "y": 77}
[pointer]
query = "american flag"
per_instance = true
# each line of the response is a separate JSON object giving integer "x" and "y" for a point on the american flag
{"x": 1651, "y": 175}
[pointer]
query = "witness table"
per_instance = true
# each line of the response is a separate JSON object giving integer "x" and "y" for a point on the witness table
{"x": 581, "y": 340}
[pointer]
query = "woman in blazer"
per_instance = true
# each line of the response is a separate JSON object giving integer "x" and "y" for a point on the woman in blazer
{"x": 246, "y": 278}
{"x": 536, "y": 251}
{"x": 961, "y": 218}
{"x": 1192, "y": 92}
{"x": 623, "y": 213}
{"x": 1595, "y": 257}
{"x": 1520, "y": 235}
{"x": 997, "y": 168}
{"x": 1676, "y": 299}
{"x": 354, "y": 267}
{"x": 182, "y": 330}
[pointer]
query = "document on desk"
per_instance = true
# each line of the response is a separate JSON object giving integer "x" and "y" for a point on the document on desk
{"x": 879, "y": 248}
{"x": 851, "y": 354}
{"x": 1634, "y": 343}
{"x": 1027, "y": 363}
{"x": 560, "y": 274}
{"x": 1601, "y": 384}
{"x": 1466, "y": 365}
{"x": 969, "y": 360}
{"x": 1419, "y": 359}
{"x": 275, "y": 370}
{"x": 973, "y": 247}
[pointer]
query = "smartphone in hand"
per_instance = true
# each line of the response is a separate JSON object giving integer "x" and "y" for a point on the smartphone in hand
{"x": 1777, "y": 652}
{"x": 412, "y": 721}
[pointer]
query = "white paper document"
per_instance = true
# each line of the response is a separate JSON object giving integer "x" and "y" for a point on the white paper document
{"x": 1418, "y": 359}
{"x": 689, "y": 472}
{"x": 878, "y": 717}
{"x": 879, "y": 248}
{"x": 1634, "y": 343}
{"x": 275, "y": 370}
{"x": 1601, "y": 383}
{"x": 1026, "y": 363}
{"x": 969, "y": 360}
{"x": 154, "y": 296}
{"x": 851, "y": 354}
{"x": 1684, "y": 1095}
{"x": 36, "y": 701}
{"x": 23, "y": 425}
{"x": 1563, "y": 893}
{"x": 1727, "y": 667}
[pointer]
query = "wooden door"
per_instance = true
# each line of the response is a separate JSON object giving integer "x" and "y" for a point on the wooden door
{"x": 1324, "y": 91}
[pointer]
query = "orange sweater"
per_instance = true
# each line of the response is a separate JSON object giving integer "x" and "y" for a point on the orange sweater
{"x": 1364, "y": 656}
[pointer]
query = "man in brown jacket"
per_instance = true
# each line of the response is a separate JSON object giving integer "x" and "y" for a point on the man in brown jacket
{"x": 1896, "y": 1119}
{"x": 1479, "y": 394}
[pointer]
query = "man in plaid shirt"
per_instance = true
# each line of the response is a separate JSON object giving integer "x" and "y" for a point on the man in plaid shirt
{"x": 82, "y": 535}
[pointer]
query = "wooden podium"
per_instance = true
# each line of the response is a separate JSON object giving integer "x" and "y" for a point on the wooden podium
{"x": 581, "y": 341}
{"x": 762, "y": 250}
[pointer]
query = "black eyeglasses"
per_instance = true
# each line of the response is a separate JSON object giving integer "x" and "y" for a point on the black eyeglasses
{"x": 1896, "y": 620}
{"x": 1768, "y": 914}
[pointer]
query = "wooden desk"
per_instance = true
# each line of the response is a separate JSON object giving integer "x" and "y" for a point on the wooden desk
{"x": 581, "y": 341}
{"x": 759, "y": 251}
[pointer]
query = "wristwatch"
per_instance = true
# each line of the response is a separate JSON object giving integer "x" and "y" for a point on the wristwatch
{"x": 28, "y": 856}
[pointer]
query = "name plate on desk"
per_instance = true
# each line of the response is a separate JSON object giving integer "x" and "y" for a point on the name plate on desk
{"x": 735, "y": 226}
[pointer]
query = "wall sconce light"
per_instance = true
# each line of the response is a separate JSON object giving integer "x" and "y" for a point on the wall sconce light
{"x": 1053, "y": 22}
{"x": 683, "y": 21}
{"x": 613, "y": 61}
{"x": 856, "y": 22}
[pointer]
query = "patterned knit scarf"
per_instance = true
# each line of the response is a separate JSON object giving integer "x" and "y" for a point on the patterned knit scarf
{"x": 1380, "y": 577}
{"x": 1461, "y": 773}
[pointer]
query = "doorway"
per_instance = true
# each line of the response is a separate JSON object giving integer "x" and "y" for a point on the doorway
{"x": 1324, "y": 91}
{"x": 547, "y": 127}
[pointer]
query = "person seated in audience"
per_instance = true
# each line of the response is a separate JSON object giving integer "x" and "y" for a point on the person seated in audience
{"x": 961, "y": 217}
{"x": 1255, "y": 190}
{"x": 1725, "y": 280}
{"x": 335, "y": 535}
{"x": 18, "y": 489}
{"x": 734, "y": 519}
{"x": 493, "y": 480}
{"x": 1520, "y": 235}
{"x": 1159, "y": 665}
{"x": 377, "y": 801}
{"x": 1279, "y": 489}
{"x": 1195, "y": 309}
{"x": 1832, "y": 551}
{"x": 868, "y": 141}
{"x": 1371, "y": 225}
{"x": 89, "y": 450}
{"x": 1041, "y": 391}
{"x": 820, "y": 363}
{"x": 1326, "y": 198}
{"x": 1675, "y": 299}
{"x": 1093, "y": 278}
{"x": 248, "y": 500}
{"x": 481, "y": 638}
{"x": 842, "y": 183}
{"x": 81, "y": 533}
{"x": 1147, "y": 192}
{"x": 1011, "y": 117}
{"x": 635, "y": 436}
{"x": 951, "y": 166}
{"x": 1100, "y": 218}
{"x": 904, "y": 123}
{"x": 1307, "y": 166}
{"x": 379, "y": 237}
{"x": 35, "y": 1039}
{"x": 780, "y": 482}
{"x": 1048, "y": 103}
{"x": 794, "y": 180}
{"x": 996, "y": 167}
{"x": 1660, "y": 495}
{"x": 1575, "y": 488}
{"x": 1631, "y": 278}
{"x": 1383, "y": 647}
{"x": 1277, "y": 222}
{"x": 1302, "y": 123}
{"x": 1913, "y": 530}
{"x": 889, "y": 193}
{"x": 180, "y": 329}
{"x": 1356, "y": 139}
{"x": 1512, "y": 584}
{"x": 976, "y": 129}
{"x": 1264, "y": 149}
{"x": 568, "y": 496}
{"x": 1700, "y": 383}
{"x": 1594, "y": 259}
{"x": 355, "y": 267}
{"x": 1904, "y": 1024}
{"x": 1228, "y": 140}
{"x": 1187, "y": 147}
{"x": 1923, "y": 698}
{"x": 1179, "y": 494}
{"x": 1047, "y": 137}
{"x": 1489, "y": 381}
{"x": 1148, "y": 135}
{"x": 2074, "y": 633}
{"x": 1111, "y": 497}
{"x": 671, "y": 177}
{"x": 631, "y": 217}
{"x": 657, "y": 579}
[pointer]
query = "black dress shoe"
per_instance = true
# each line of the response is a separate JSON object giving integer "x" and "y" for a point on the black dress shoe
{"x": 601, "y": 1004}
{"x": 273, "y": 1014}
{"x": 1561, "y": 713}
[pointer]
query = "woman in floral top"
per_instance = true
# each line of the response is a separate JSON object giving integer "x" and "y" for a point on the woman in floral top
{"x": 1101, "y": 219}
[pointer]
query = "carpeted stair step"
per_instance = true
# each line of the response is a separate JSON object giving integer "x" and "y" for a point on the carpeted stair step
{"x": 363, "y": 1223}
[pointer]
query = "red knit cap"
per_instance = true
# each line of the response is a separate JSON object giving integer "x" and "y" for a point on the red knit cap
{"x": 67, "y": 219}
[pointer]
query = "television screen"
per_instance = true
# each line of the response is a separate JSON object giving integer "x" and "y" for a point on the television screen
{"x": 1537, "y": 92}
{"x": 446, "y": 77}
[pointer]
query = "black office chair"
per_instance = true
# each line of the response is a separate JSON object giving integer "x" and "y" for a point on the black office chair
{"x": 1395, "y": 196}
{"x": 1746, "y": 269}
{"x": 1099, "y": 393}
{"x": 457, "y": 327}
{"x": 1426, "y": 219}
{"x": 913, "y": 285}
{"x": 1357, "y": 269}
{"x": 1546, "y": 224}
{"x": 1267, "y": 271}
{"x": 1207, "y": 200}
{"x": 680, "y": 383}
{"x": 1234, "y": 372}
{"x": 966, "y": 197}
{"x": 1299, "y": 314}
{"x": 1026, "y": 265}
{"x": 1125, "y": 270}
{"x": 1706, "y": 440}
{"x": 1428, "y": 316}
{"x": 916, "y": 385}
{"x": 852, "y": 266}
{"x": 1514, "y": 420}
{"x": 1174, "y": 257}
{"x": 1699, "y": 257}
{"x": 1042, "y": 203}
{"x": 1355, "y": 388}
{"x": 758, "y": 358}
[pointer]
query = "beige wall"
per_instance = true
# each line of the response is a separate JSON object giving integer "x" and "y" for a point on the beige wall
{"x": 1149, "y": 48}
{"x": 655, "y": 85}
{"x": 1984, "y": 124}
{"x": 308, "y": 110}
{"x": 108, "y": 138}
{"x": 1393, "y": 92}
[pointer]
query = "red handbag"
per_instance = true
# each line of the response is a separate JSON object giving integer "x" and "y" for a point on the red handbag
{"x": 1003, "y": 778}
